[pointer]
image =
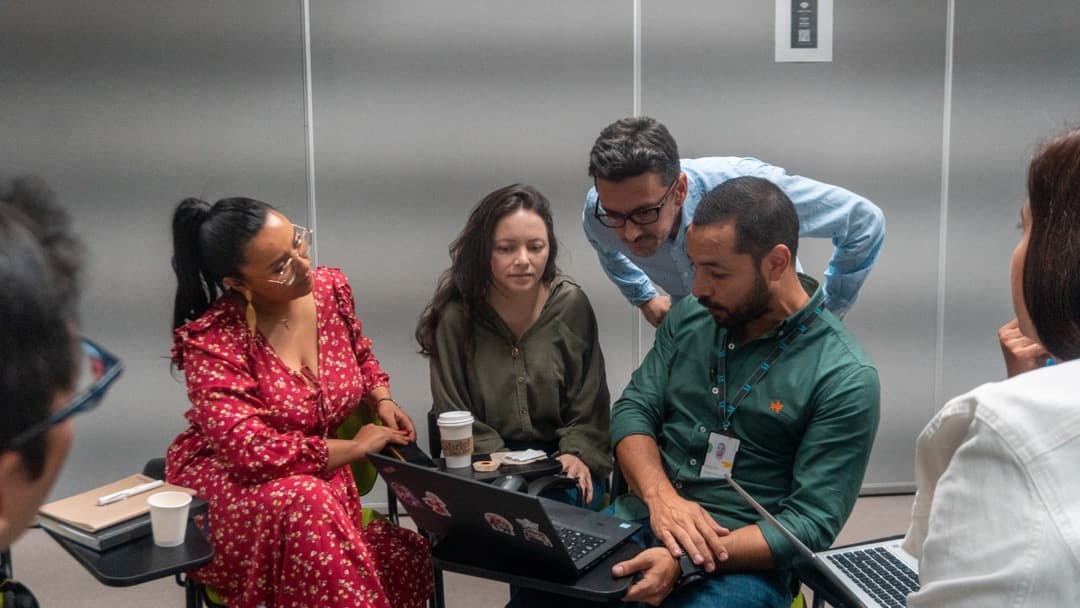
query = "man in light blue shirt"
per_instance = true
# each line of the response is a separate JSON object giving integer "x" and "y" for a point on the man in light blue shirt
{"x": 647, "y": 198}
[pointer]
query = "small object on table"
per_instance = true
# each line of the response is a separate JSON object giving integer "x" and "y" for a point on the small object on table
{"x": 485, "y": 466}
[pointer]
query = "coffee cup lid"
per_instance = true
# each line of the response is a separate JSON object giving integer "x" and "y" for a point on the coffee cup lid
{"x": 457, "y": 418}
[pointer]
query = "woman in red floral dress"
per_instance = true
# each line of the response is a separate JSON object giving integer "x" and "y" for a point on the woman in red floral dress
{"x": 275, "y": 360}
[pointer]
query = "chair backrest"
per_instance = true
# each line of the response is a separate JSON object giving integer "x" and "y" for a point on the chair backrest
{"x": 363, "y": 472}
{"x": 434, "y": 438}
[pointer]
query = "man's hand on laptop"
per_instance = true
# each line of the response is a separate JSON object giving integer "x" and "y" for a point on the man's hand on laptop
{"x": 659, "y": 573}
{"x": 677, "y": 522}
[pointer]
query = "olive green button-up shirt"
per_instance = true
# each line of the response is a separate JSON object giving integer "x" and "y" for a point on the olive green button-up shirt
{"x": 546, "y": 388}
{"x": 806, "y": 428}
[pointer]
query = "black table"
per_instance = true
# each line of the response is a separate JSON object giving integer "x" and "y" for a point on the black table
{"x": 140, "y": 561}
{"x": 530, "y": 471}
{"x": 596, "y": 582}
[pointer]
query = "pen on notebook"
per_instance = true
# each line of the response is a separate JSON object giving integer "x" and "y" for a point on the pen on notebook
{"x": 128, "y": 493}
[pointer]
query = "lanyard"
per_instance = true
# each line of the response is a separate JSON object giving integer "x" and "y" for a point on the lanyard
{"x": 720, "y": 390}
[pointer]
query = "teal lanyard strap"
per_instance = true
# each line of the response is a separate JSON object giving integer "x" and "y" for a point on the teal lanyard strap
{"x": 727, "y": 410}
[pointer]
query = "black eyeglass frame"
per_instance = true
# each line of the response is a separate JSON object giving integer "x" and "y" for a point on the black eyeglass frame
{"x": 83, "y": 402}
{"x": 620, "y": 220}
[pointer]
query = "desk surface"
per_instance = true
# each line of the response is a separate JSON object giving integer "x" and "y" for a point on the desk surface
{"x": 597, "y": 584}
{"x": 141, "y": 560}
{"x": 533, "y": 470}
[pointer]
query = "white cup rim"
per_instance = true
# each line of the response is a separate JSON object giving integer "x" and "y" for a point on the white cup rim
{"x": 169, "y": 499}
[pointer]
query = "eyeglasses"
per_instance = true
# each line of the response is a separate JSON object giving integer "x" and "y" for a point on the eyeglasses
{"x": 303, "y": 239}
{"x": 641, "y": 217}
{"x": 101, "y": 368}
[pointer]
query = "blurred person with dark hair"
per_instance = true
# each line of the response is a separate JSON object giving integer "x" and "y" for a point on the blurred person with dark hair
{"x": 40, "y": 268}
{"x": 644, "y": 198}
{"x": 275, "y": 360}
{"x": 996, "y": 519}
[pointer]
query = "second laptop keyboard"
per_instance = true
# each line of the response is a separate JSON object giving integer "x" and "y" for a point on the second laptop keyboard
{"x": 879, "y": 573}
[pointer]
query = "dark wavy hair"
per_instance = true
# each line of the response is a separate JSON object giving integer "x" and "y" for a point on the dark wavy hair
{"x": 208, "y": 246}
{"x": 469, "y": 276}
{"x": 1052, "y": 265}
{"x": 40, "y": 269}
{"x": 633, "y": 146}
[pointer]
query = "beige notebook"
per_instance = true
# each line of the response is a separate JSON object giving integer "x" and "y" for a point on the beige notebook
{"x": 83, "y": 511}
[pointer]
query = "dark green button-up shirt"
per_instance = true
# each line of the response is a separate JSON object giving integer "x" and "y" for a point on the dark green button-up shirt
{"x": 547, "y": 388}
{"x": 806, "y": 428}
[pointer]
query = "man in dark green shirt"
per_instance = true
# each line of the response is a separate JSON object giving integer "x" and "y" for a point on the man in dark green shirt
{"x": 753, "y": 378}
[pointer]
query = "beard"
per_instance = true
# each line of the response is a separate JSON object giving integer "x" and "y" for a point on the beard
{"x": 749, "y": 309}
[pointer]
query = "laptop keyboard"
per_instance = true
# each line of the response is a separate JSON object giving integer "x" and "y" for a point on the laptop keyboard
{"x": 578, "y": 543}
{"x": 880, "y": 574}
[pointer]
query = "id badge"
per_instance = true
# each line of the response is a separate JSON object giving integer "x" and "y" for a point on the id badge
{"x": 721, "y": 456}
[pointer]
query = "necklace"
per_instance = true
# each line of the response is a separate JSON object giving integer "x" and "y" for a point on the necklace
{"x": 284, "y": 321}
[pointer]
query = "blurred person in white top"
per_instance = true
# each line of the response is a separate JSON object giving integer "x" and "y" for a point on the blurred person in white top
{"x": 996, "y": 519}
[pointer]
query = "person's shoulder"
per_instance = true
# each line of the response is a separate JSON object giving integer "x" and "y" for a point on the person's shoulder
{"x": 452, "y": 314}
{"x": 843, "y": 340}
{"x": 687, "y": 313}
{"x": 566, "y": 292}
{"x": 222, "y": 328}
{"x": 1034, "y": 410}
{"x": 569, "y": 304}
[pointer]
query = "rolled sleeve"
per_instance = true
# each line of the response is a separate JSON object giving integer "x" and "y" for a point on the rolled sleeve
{"x": 854, "y": 224}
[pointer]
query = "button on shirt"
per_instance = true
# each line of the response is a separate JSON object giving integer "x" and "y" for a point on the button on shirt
{"x": 855, "y": 225}
{"x": 806, "y": 428}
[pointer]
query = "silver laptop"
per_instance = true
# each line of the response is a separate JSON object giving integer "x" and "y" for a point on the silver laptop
{"x": 871, "y": 575}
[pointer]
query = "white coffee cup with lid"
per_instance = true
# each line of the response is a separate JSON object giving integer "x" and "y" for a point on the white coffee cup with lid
{"x": 455, "y": 432}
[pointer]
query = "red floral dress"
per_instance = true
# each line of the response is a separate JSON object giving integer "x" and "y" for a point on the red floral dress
{"x": 285, "y": 532}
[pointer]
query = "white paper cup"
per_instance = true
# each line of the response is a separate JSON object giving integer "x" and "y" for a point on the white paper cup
{"x": 455, "y": 432}
{"x": 168, "y": 517}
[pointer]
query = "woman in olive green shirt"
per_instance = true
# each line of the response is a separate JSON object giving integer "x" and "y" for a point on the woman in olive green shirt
{"x": 515, "y": 343}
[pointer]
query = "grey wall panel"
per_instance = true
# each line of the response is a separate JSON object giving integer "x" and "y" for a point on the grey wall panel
{"x": 421, "y": 109}
{"x": 870, "y": 121}
{"x": 1017, "y": 81}
{"x": 126, "y": 107}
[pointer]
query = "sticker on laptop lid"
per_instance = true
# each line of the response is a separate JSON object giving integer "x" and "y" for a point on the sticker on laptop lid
{"x": 437, "y": 505}
{"x": 499, "y": 523}
{"x": 404, "y": 494}
{"x": 531, "y": 531}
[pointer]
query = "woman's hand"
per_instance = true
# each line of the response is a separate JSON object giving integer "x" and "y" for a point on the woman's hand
{"x": 395, "y": 418}
{"x": 1022, "y": 354}
{"x": 373, "y": 438}
{"x": 574, "y": 468}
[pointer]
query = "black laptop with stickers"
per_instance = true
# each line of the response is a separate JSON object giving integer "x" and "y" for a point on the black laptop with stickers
{"x": 511, "y": 531}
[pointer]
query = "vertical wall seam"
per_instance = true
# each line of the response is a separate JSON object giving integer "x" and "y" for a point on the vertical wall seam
{"x": 309, "y": 126}
{"x": 637, "y": 319}
{"x": 943, "y": 223}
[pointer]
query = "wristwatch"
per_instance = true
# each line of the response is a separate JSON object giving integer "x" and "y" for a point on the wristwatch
{"x": 690, "y": 574}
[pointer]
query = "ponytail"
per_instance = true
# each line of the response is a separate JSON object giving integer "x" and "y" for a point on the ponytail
{"x": 194, "y": 293}
{"x": 208, "y": 245}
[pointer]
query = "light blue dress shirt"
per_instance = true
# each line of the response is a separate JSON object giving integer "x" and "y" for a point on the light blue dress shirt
{"x": 855, "y": 225}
